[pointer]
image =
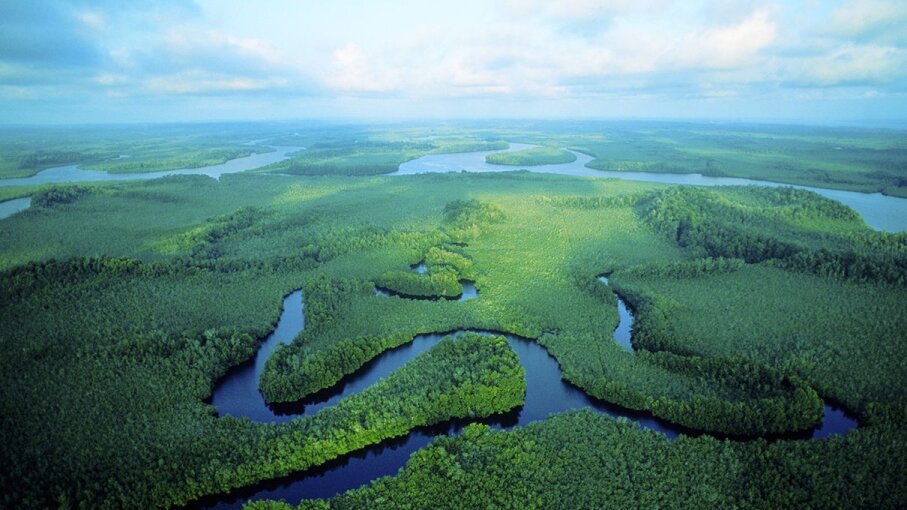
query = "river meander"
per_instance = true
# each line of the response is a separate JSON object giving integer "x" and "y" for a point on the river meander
{"x": 237, "y": 393}
{"x": 879, "y": 211}
{"x": 546, "y": 392}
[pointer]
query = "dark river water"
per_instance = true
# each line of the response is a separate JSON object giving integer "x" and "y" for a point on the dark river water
{"x": 237, "y": 395}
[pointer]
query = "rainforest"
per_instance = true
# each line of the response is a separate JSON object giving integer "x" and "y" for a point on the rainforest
{"x": 453, "y": 315}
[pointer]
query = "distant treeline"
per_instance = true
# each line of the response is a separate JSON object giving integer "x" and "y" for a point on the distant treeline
{"x": 708, "y": 224}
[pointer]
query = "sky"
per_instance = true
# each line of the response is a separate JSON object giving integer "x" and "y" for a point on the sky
{"x": 109, "y": 61}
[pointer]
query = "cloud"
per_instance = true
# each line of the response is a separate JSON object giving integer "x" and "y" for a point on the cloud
{"x": 352, "y": 71}
{"x": 870, "y": 20}
{"x": 579, "y": 10}
{"x": 853, "y": 65}
{"x": 181, "y": 53}
{"x": 526, "y": 61}
{"x": 25, "y": 39}
{"x": 202, "y": 83}
{"x": 186, "y": 59}
{"x": 139, "y": 48}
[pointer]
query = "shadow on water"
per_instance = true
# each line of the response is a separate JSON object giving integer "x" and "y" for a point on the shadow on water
{"x": 546, "y": 392}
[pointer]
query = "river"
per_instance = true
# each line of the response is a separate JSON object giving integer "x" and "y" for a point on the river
{"x": 546, "y": 392}
{"x": 73, "y": 173}
{"x": 11, "y": 207}
{"x": 237, "y": 393}
{"x": 879, "y": 211}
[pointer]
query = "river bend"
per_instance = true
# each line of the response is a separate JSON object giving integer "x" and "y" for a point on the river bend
{"x": 880, "y": 212}
{"x": 237, "y": 395}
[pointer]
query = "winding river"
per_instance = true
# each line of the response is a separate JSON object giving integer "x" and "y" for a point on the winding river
{"x": 73, "y": 173}
{"x": 625, "y": 322}
{"x": 546, "y": 392}
{"x": 237, "y": 393}
{"x": 879, "y": 211}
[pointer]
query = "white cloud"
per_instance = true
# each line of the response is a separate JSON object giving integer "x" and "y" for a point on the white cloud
{"x": 352, "y": 71}
{"x": 566, "y": 51}
{"x": 734, "y": 46}
{"x": 579, "y": 10}
{"x": 111, "y": 79}
{"x": 94, "y": 20}
{"x": 531, "y": 60}
{"x": 193, "y": 42}
{"x": 205, "y": 83}
{"x": 870, "y": 19}
{"x": 853, "y": 65}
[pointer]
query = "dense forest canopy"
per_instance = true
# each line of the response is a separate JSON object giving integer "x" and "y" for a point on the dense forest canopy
{"x": 123, "y": 304}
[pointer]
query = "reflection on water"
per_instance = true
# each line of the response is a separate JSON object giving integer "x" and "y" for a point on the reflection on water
{"x": 11, "y": 207}
{"x": 546, "y": 392}
{"x": 72, "y": 173}
{"x": 880, "y": 212}
{"x": 625, "y": 321}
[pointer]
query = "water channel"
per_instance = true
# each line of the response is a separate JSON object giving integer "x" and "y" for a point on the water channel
{"x": 546, "y": 392}
{"x": 73, "y": 173}
{"x": 237, "y": 393}
{"x": 879, "y": 211}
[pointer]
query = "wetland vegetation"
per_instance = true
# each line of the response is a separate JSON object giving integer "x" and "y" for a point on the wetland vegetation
{"x": 123, "y": 304}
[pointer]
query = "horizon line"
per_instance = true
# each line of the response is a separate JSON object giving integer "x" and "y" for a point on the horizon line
{"x": 861, "y": 123}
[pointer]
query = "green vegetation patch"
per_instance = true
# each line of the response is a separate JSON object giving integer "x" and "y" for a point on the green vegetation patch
{"x": 584, "y": 460}
{"x": 793, "y": 229}
{"x": 126, "y": 149}
{"x": 149, "y": 341}
{"x": 371, "y": 156}
{"x": 840, "y": 158}
{"x": 436, "y": 283}
{"x": 845, "y": 339}
{"x": 531, "y": 157}
{"x": 333, "y": 162}
{"x": 113, "y": 340}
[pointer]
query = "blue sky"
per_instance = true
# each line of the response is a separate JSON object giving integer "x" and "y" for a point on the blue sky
{"x": 138, "y": 61}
